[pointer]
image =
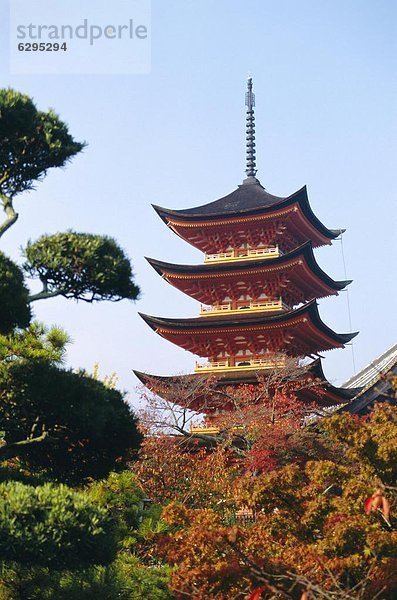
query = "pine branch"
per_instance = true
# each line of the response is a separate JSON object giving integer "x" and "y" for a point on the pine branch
{"x": 45, "y": 294}
{"x": 12, "y": 216}
{"x": 18, "y": 448}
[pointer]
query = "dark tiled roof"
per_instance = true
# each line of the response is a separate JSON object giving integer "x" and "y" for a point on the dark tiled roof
{"x": 227, "y": 379}
{"x": 316, "y": 367}
{"x": 250, "y": 198}
{"x": 310, "y": 309}
{"x": 305, "y": 251}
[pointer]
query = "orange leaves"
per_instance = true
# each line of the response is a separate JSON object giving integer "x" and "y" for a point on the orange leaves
{"x": 378, "y": 502}
{"x": 274, "y": 490}
{"x": 171, "y": 470}
{"x": 309, "y": 530}
{"x": 201, "y": 550}
{"x": 369, "y": 442}
{"x": 232, "y": 534}
{"x": 177, "y": 515}
{"x": 326, "y": 474}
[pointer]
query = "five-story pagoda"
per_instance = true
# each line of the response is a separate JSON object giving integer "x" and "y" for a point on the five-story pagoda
{"x": 258, "y": 284}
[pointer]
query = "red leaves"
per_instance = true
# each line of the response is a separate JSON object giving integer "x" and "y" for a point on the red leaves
{"x": 256, "y": 594}
{"x": 378, "y": 502}
{"x": 261, "y": 460}
{"x": 368, "y": 505}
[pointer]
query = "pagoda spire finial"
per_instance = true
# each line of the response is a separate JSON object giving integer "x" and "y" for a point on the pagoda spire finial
{"x": 250, "y": 131}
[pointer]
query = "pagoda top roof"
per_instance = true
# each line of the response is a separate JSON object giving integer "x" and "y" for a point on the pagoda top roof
{"x": 310, "y": 310}
{"x": 249, "y": 198}
{"x": 304, "y": 251}
{"x": 250, "y": 195}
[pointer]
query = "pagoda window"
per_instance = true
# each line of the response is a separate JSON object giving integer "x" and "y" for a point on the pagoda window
{"x": 244, "y": 353}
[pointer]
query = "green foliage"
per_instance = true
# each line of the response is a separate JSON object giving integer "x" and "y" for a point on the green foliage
{"x": 56, "y": 543}
{"x": 32, "y": 142}
{"x": 127, "y": 577}
{"x": 14, "y": 303}
{"x": 82, "y": 266}
{"x": 90, "y": 428}
{"x": 122, "y": 496}
{"x": 37, "y": 342}
{"x": 124, "y": 579}
{"x": 138, "y": 523}
{"x": 52, "y": 525}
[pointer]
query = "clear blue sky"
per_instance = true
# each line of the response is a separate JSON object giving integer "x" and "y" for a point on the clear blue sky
{"x": 325, "y": 82}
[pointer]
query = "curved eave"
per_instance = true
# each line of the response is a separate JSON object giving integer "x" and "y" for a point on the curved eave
{"x": 309, "y": 310}
{"x": 300, "y": 197}
{"x": 167, "y": 380}
{"x": 330, "y": 396}
{"x": 305, "y": 252}
{"x": 244, "y": 199}
{"x": 316, "y": 368}
{"x": 144, "y": 378}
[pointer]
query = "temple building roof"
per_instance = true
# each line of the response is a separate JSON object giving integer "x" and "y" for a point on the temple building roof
{"x": 246, "y": 198}
{"x": 298, "y": 332}
{"x": 259, "y": 284}
{"x": 296, "y": 271}
{"x": 374, "y": 383}
{"x": 249, "y": 198}
{"x": 170, "y": 387}
{"x": 249, "y": 212}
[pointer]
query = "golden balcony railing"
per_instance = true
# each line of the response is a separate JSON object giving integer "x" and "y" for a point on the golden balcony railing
{"x": 261, "y": 306}
{"x": 212, "y": 430}
{"x": 205, "y": 430}
{"x": 243, "y": 254}
{"x": 241, "y": 364}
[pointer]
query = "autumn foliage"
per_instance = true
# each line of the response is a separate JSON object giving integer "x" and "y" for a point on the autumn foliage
{"x": 321, "y": 500}
{"x": 169, "y": 469}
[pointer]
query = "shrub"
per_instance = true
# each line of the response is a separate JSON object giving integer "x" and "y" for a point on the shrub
{"x": 14, "y": 302}
{"x": 53, "y": 526}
